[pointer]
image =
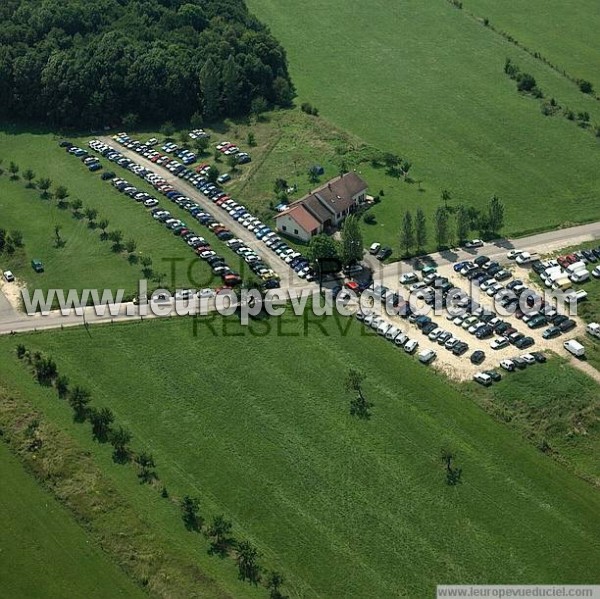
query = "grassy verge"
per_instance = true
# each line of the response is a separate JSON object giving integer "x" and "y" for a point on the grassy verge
{"x": 555, "y": 407}
{"x": 42, "y": 540}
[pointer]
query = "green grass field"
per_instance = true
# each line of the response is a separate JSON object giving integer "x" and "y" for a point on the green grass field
{"x": 344, "y": 508}
{"x": 426, "y": 81}
{"x": 541, "y": 24}
{"x": 44, "y": 553}
{"x": 556, "y": 407}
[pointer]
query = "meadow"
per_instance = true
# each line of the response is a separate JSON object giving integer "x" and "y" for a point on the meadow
{"x": 555, "y": 407}
{"x": 342, "y": 507}
{"x": 540, "y": 25}
{"x": 44, "y": 552}
{"x": 425, "y": 81}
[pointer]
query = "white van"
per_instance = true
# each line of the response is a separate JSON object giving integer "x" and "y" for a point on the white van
{"x": 411, "y": 346}
{"x": 574, "y": 347}
{"x": 401, "y": 339}
{"x": 579, "y": 276}
{"x": 427, "y": 356}
{"x": 392, "y": 333}
{"x": 579, "y": 265}
{"x": 483, "y": 379}
{"x": 572, "y": 297}
{"x": 384, "y": 327}
{"x": 593, "y": 329}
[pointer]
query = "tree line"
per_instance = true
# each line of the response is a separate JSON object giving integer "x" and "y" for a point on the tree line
{"x": 60, "y": 193}
{"x": 526, "y": 83}
{"x": 88, "y": 64}
{"x": 102, "y": 420}
{"x": 103, "y": 429}
{"x": 450, "y": 224}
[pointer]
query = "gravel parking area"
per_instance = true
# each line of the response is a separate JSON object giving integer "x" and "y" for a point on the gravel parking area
{"x": 460, "y": 367}
{"x": 288, "y": 277}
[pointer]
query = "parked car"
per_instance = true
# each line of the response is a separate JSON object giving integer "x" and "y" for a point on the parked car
{"x": 508, "y": 365}
{"x": 524, "y": 343}
{"x": 539, "y": 356}
{"x": 37, "y": 265}
{"x": 427, "y": 356}
{"x": 499, "y": 343}
{"x": 8, "y": 276}
{"x": 551, "y": 332}
{"x": 410, "y": 346}
{"x": 474, "y": 243}
{"x": 495, "y": 376}
{"x": 482, "y": 378}
{"x": 567, "y": 325}
{"x": 574, "y": 347}
{"x": 384, "y": 253}
{"x": 409, "y": 277}
{"x": 477, "y": 357}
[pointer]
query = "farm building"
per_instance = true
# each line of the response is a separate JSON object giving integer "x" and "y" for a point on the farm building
{"x": 323, "y": 209}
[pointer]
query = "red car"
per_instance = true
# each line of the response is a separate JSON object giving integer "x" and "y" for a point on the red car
{"x": 572, "y": 258}
{"x": 231, "y": 280}
{"x": 353, "y": 286}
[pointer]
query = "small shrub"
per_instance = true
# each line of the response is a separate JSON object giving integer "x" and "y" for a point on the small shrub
{"x": 369, "y": 219}
{"x": 585, "y": 86}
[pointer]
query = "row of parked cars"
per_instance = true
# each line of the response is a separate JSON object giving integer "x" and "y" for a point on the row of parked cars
{"x": 298, "y": 262}
{"x": 487, "y": 377}
{"x": 229, "y": 149}
{"x": 198, "y": 243}
{"x": 563, "y": 272}
{"x": 91, "y": 162}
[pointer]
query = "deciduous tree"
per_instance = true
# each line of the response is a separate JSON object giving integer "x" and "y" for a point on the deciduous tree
{"x": 407, "y": 233}
{"x": 352, "y": 242}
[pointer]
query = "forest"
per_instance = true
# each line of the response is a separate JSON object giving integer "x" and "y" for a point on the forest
{"x": 87, "y": 64}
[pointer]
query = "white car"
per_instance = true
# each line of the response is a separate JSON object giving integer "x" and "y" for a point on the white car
{"x": 468, "y": 322}
{"x": 474, "y": 243}
{"x": 499, "y": 343}
{"x": 435, "y": 334}
{"x": 408, "y": 277}
{"x": 375, "y": 247}
{"x": 494, "y": 289}
{"x": 482, "y": 379}
{"x": 392, "y": 333}
{"x": 206, "y": 293}
{"x": 369, "y": 319}
{"x": 475, "y": 327}
{"x": 513, "y": 254}
{"x": 417, "y": 286}
{"x": 528, "y": 358}
{"x": 507, "y": 365}
{"x": 427, "y": 356}
{"x": 8, "y": 276}
{"x": 378, "y": 320}
{"x": 524, "y": 258}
